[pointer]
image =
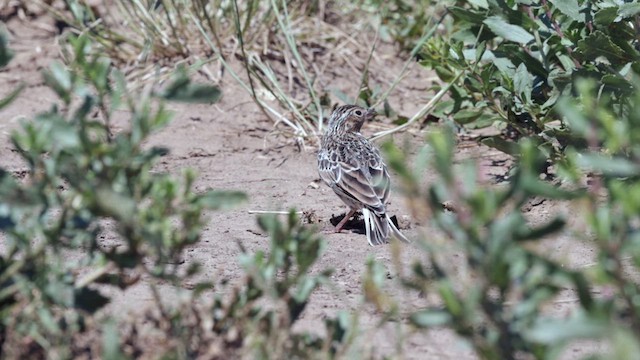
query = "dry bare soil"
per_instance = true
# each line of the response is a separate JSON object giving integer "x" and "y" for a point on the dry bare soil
{"x": 233, "y": 146}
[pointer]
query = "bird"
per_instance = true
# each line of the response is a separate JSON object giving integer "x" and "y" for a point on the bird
{"x": 353, "y": 168}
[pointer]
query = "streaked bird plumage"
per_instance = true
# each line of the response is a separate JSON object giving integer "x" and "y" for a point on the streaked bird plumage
{"x": 352, "y": 166}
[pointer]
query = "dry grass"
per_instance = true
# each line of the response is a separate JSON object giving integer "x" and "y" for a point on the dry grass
{"x": 288, "y": 52}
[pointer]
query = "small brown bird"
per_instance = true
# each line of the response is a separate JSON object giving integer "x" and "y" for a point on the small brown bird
{"x": 352, "y": 166}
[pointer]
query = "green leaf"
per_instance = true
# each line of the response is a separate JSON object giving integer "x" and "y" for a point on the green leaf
{"x": 62, "y": 134}
{"x": 98, "y": 72}
{"x": 430, "y": 318}
{"x": 501, "y": 144}
{"x": 625, "y": 344}
{"x": 59, "y": 80}
{"x": 567, "y": 64}
{"x": 479, "y": 3}
{"x": 508, "y": 31}
{"x": 181, "y": 89}
{"x": 522, "y": 81}
{"x": 195, "y": 93}
{"x": 5, "y": 53}
{"x": 466, "y": 15}
{"x": 480, "y": 51}
{"x": 114, "y": 204}
{"x": 12, "y": 96}
{"x": 309, "y": 248}
{"x": 449, "y": 298}
{"x": 618, "y": 84}
{"x": 606, "y": 16}
{"x": 221, "y": 200}
{"x": 555, "y": 331}
{"x": 47, "y": 319}
{"x": 8, "y": 184}
{"x": 111, "y": 341}
{"x": 444, "y": 73}
{"x": 442, "y": 108}
{"x": 505, "y": 65}
{"x": 608, "y": 165}
{"x": 483, "y": 121}
{"x": 396, "y": 160}
{"x": 517, "y": 55}
{"x": 304, "y": 289}
{"x": 574, "y": 118}
{"x": 599, "y": 44}
{"x": 570, "y": 8}
{"x": 466, "y": 116}
{"x": 628, "y": 10}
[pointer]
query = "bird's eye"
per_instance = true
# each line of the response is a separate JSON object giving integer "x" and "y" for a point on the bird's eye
{"x": 358, "y": 112}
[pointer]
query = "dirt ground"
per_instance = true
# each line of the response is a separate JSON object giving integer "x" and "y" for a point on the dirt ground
{"x": 232, "y": 146}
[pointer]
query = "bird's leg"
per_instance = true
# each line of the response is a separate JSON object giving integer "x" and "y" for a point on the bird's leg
{"x": 344, "y": 220}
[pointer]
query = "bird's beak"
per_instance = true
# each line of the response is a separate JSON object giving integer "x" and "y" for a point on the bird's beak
{"x": 371, "y": 113}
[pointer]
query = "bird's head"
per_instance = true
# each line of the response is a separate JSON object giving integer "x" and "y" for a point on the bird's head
{"x": 349, "y": 118}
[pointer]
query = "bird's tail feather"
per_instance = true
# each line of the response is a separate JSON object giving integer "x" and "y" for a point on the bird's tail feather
{"x": 377, "y": 228}
{"x": 395, "y": 231}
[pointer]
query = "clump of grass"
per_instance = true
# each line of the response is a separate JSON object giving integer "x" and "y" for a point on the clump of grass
{"x": 287, "y": 50}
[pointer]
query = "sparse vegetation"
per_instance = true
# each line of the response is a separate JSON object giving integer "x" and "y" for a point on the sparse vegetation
{"x": 557, "y": 80}
{"x": 561, "y": 80}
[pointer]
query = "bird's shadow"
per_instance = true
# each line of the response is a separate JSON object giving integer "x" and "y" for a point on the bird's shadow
{"x": 356, "y": 223}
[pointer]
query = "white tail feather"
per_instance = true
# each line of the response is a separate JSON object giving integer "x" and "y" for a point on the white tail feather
{"x": 395, "y": 231}
{"x": 377, "y": 228}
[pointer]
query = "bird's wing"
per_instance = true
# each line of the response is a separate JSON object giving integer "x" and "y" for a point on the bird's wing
{"x": 327, "y": 168}
{"x": 379, "y": 175}
{"x": 359, "y": 182}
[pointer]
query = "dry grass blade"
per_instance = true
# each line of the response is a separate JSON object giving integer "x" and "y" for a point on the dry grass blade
{"x": 279, "y": 117}
{"x": 285, "y": 25}
{"x": 421, "y": 113}
{"x": 423, "y": 39}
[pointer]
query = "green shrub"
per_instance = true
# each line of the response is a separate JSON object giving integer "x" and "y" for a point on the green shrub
{"x": 282, "y": 277}
{"x": 85, "y": 183}
{"x": 560, "y": 78}
{"x": 519, "y": 57}
{"x": 80, "y": 178}
{"x": 253, "y": 318}
{"x": 498, "y": 303}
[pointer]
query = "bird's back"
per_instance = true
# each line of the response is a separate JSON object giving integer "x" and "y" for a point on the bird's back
{"x": 352, "y": 152}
